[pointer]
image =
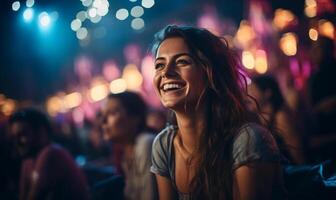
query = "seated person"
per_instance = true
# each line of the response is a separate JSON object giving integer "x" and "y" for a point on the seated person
{"x": 124, "y": 123}
{"x": 48, "y": 171}
{"x": 274, "y": 109}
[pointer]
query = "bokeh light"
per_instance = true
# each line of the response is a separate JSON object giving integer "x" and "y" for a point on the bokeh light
{"x": 73, "y": 100}
{"x": 102, "y": 7}
{"x": 16, "y": 5}
{"x": 132, "y": 53}
{"x": 245, "y": 34}
{"x": 76, "y": 24}
{"x": 313, "y": 34}
{"x": 102, "y": 11}
{"x": 8, "y": 107}
{"x": 310, "y": 8}
{"x": 95, "y": 19}
{"x": 53, "y": 16}
{"x": 44, "y": 20}
{"x": 248, "y": 59}
{"x": 118, "y": 86}
{"x": 122, "y": 14}
{"x": 147, "y": 68}
{"x": 209, "y": 20}
{"x": 28, "y": 14}
{"x": 148, "y": 71}
{"x": 87, "y": 3}
{"x": 326, "y": 28}
{"x": 147, "y": 3}
{"x": 98, "y": 92}
{"x": 92, "y": 12}
{"x": 30, "y": 3}
{"x": 54, "y": 105}
{"x": 288, "y": 44}
{"x": 78, "y": 115}
{"x": 138, "y": 24}
{"x": 133, "y": 77}
{"x": 80, "y": 160}
{"x": 137, "y": 11}
{"x": 81, "y": 15}
{"x": 82, "y": 33}
{"x": 110, "y": 70}
{"x": 261, "y": 62}
{"x": 283, "y": 18}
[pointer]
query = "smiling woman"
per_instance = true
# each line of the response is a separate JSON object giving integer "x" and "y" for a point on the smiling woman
{"x": 213, "y": 151}
{"x": 178, "y": 77}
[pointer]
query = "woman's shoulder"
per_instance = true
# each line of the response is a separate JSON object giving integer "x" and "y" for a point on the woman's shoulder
{"x": 254, "y": 133}
{"x": 162, "y": 151}
{"x": 254, "y": 142}
{"x": 165, "y": 137}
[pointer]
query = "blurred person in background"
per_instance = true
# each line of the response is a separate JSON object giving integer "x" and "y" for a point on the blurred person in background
{"x": 156, "y": 120}
{"x": 321, "y": 88}
{"x": 322, "y": 95}
{"x": 265, "y": 90}
{"x": 98, "y": 149}
{"x": 10, "y": 165}
{"x": 124, "y": 124}
{"x": 47, "y": 171}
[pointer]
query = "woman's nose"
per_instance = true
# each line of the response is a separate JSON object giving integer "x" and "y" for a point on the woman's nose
{"x": 168, "y": 71}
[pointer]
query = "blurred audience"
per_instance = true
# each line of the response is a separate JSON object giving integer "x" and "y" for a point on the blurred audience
{"x": 9, "y": 168}
{"x": 322, "y": 94}
{"x": 47, "y": 171}
{"x": 156, "y": 120}
{"x": 274, "y": 110}
{"x": 124, "y": 123}
{"x": 320, "y": 85}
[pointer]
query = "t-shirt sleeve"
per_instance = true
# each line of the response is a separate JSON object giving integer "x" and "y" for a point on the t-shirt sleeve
{"x": 254, "y": 143}
{"x": 160, "y": 155}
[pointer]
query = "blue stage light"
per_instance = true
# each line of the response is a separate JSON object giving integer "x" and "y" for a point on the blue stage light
{"x": 16, "y": 5}
{"x": 44, "y": 20}
{"x": 30, "y": 3}
{"x": 28, "y": 14}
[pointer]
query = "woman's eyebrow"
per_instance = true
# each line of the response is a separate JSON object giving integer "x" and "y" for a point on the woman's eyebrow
{"x": 175, "y": 56}
{"x": 159, "y": 58}
{"x": 182, "y": 54}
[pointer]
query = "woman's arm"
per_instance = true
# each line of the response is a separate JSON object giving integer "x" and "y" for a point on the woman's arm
{"x": 255, "y": 181}
{"x": 165, "y": 188}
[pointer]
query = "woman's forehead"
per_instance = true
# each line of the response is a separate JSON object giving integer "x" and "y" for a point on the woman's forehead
{"x": 172, "y": 46}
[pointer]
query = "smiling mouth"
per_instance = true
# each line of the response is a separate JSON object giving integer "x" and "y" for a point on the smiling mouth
{"x": 171, "y": 87}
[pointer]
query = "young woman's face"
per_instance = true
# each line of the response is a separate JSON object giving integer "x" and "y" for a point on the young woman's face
{"x": 178, "y": 78}
{"x": 115, "y": 121}
{"x": 22, "y": 134}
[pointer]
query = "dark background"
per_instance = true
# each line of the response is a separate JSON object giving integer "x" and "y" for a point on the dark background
{"x": 35, "y": 64}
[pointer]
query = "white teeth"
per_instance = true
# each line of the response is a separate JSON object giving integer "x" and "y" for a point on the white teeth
{"x": 171, "y": 86}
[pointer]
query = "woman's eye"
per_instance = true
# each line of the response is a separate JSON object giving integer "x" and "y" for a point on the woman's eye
{"x": 182, "y": 62}
{"x": 159, "y": 65}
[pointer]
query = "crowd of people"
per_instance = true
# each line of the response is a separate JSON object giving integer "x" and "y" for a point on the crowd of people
{"x": 228, "y": 136}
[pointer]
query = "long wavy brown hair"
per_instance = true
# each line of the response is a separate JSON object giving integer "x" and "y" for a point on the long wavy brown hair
{"x": 225, "y": 108}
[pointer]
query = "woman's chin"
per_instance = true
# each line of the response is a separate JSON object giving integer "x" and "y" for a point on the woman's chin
{"x": 174, "y": 105}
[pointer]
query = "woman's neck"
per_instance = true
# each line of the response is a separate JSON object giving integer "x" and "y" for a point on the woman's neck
{"x": 190, "y": 129}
